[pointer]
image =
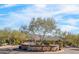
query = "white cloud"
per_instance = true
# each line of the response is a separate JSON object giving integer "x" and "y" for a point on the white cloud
{"x": 7, "y": 5}
{"x": 44, "y": 10}
{"x": 72, "y": 21}
{"x": 40, "y": 5}
{"x": 68, "y": 9}
{"x": 13, "y": 20}
{"x": 33, "y": 12}
{"x": 68, "y": 28}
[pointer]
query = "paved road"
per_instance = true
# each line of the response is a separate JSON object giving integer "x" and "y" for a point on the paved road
{"x": 11, "y": 50}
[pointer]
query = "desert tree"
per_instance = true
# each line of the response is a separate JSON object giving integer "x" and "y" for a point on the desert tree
{"x": 42, "y": 26}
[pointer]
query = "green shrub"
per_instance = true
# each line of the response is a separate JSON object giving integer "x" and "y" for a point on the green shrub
{"x": 2, "y": 41}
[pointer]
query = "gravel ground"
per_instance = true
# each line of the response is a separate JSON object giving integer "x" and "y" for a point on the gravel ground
{"x": 15, "y": 50}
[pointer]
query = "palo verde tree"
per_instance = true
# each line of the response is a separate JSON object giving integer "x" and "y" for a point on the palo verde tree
{"x": 42, "y": 26}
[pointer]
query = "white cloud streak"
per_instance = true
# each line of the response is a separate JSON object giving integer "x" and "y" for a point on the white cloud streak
{"x": 68, "y": 28}
{"x": 7, "y": 5}
{"x": 69, "y": 9}
{"x": 40, "y": 5}
{"x": 73, "y": 21}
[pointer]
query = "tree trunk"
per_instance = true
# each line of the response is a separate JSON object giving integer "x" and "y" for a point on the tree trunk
{"x": 43, "y": 36}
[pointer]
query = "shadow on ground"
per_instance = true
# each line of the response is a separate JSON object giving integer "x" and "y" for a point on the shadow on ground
{"x": 17, "y": 49}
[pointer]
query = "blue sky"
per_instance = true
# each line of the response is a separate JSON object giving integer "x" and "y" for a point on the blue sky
{"x": 15, "y": 15}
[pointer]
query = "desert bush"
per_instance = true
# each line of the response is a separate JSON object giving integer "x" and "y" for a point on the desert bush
{"x": 2, "y": 41}
{"x": 12, "y": 37}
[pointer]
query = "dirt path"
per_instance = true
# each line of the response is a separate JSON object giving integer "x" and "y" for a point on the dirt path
{"x": 12, "y": 50}
{"x": 70, "y": 51}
